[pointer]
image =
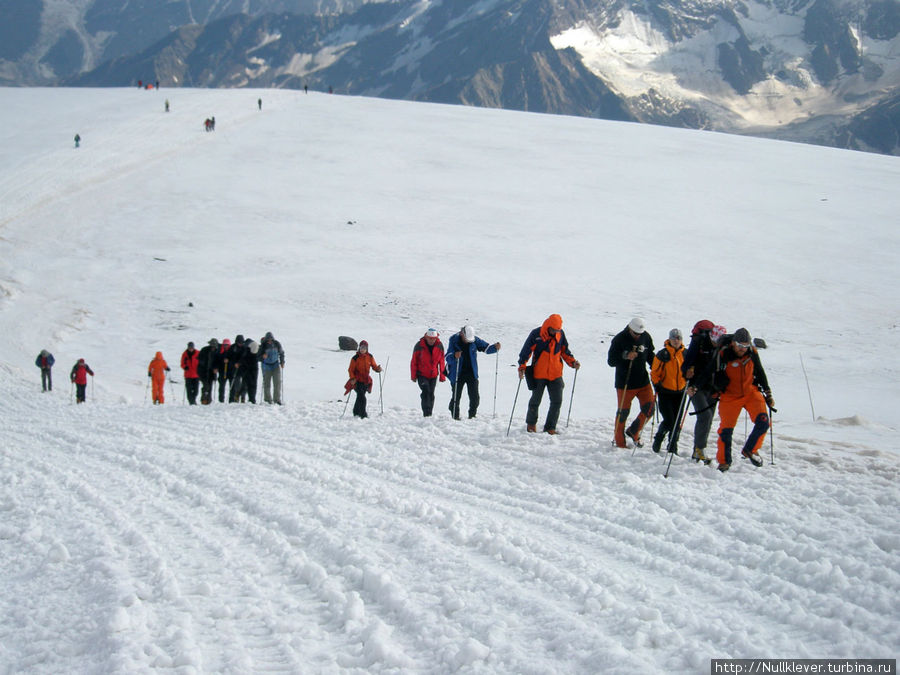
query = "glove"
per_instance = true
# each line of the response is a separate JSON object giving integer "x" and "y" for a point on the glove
{"x": 769, "y": 400}
{"x": 149, "y": 375}
{"x": 352, "y": 382}
{"x": 576, "y": 365}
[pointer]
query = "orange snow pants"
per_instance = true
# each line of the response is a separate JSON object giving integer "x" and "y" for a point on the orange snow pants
{"x": 729, "y": 411}
{"x": 159, "y": 388}
{"x": 645, "y": 398}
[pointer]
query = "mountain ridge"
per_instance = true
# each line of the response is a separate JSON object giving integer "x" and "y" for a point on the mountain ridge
{"x": 773, "y": 69}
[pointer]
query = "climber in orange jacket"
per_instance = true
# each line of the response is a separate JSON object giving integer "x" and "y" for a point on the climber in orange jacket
{"x": 360, "y": 379}
{"x": 738, "y": 378}
{"x": 547, "y": 347}
{"x": 669, "y": 383}
{"x": 156, "y": 371}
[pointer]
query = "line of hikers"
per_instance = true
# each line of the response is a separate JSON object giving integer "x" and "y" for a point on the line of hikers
{"x": 717, "y": 369}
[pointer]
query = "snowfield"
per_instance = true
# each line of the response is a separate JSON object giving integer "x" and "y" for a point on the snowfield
{"x": 256, "y": 539}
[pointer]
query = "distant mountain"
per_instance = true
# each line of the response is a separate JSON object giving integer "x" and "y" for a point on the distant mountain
{"x": 43, "y": 41}
{"x": 825, "y": 71}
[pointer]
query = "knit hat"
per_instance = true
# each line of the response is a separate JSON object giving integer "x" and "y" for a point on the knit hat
{"x": 742, "y": 336}
{"x": 637, "y": 325}
{"x": 675, "y": 334}
{"x": 432, "y": 333}
{"x": 363, "y": 343}
{"x": 468, "y": 334}
{"x": 190, "y": 345}
{"x": 254, "y": 347}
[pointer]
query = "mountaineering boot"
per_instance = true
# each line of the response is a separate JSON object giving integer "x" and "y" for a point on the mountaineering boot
{"x": 724, "y": 467}
{"x": 552, "y": 432}
{"x": 657, "y": 443}
{"x": 637, "y": 442}
{"x": 699, "y": 456}
{"x": 531, "y": 428}
{"x": 754, "y": 457}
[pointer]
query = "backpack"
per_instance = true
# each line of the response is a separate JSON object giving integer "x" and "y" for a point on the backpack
{"x": 270, "y": 355}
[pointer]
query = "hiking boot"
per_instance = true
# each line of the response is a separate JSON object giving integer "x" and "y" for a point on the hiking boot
{"x": 657, "y": 443}
{"x": 531, "y": 428}
{"x": 724, "y": 467}
{"x": 674, "y": 449}
{"x": 699, "y": 456}
{"x": 637, "y": 442}
{"x": 552, "y": 432}
{"x": 754, "y": 457}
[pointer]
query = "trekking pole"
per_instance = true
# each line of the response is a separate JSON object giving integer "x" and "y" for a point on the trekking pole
{"x": 72, "y": 392}
{"x": 93, "y": 400}
{"x": 282, "y": 385}
{"x": 345, "y": 404}
{"x": 675, "y": 432}
{"x": 572, "y": 397}
{"x": 652, "y": 421}
{"x": 184, "y": 391}
{"x": 380, "y": 395}
{"x": 456, "y": 395}
{"x": 513, "y": 411}
{"x": 496, "y": 374}
{"x": 808, "y": 390}
{"x": 772, "y": 434}
{"x": 381, "y": 384}
{"x": 146, "y": 391}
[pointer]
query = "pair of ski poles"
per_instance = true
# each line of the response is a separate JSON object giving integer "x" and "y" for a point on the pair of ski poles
{"x": 380, "y": 389}
{"x": 515, "y": 400}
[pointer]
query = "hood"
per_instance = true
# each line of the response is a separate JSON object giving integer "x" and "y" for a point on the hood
{"x": 552, "y": 321}
{"x": 159, "y": 356}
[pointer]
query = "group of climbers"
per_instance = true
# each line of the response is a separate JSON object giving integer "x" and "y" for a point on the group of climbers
{"x": 716, "y": 369}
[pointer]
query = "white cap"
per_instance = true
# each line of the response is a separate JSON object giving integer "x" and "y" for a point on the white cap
{"x": 468, "y": 333}
{"x": 431, "y": 332}
{"x": 637, "y": 325}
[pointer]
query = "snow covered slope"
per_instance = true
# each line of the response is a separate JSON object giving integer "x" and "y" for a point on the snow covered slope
{"x": 247, "y": 539}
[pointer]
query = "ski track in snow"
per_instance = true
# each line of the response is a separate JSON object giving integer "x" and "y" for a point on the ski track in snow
{"x": 397, "y": 543}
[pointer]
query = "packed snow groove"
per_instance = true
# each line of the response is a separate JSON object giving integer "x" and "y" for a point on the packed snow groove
{"x": 238, "y": 538}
